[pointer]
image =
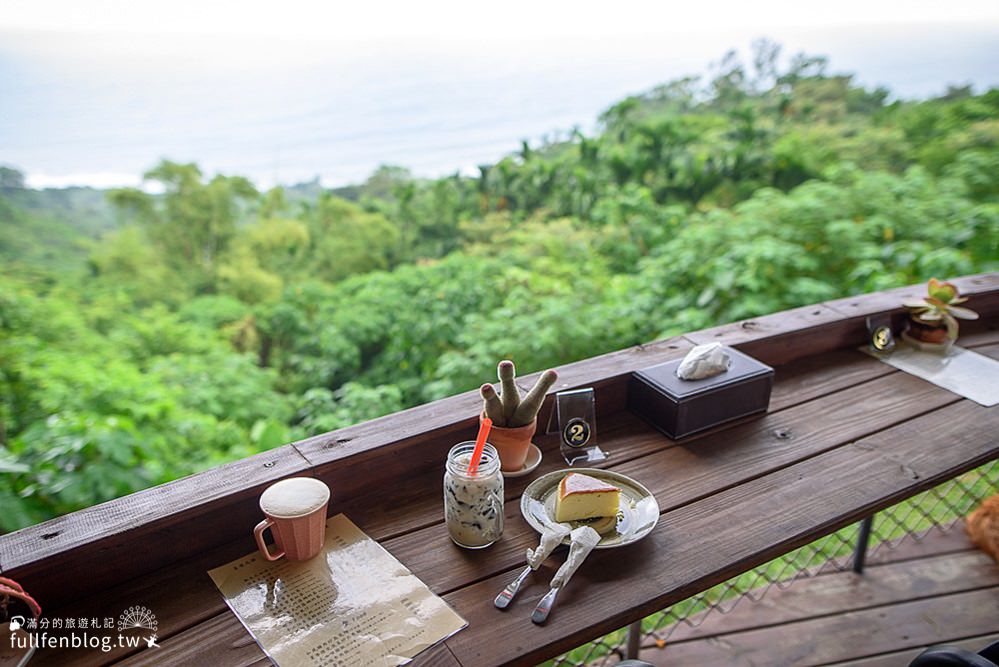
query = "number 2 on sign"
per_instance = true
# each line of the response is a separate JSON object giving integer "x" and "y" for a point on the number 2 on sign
{"x": 576, "y": 432}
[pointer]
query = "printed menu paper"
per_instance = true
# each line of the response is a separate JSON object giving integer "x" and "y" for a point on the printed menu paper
{"x": 353, "y": 604}
{"x": 961, "y": 371}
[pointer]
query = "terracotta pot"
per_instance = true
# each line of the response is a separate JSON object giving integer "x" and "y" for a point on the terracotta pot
{"x": 512, "y": 444}
{"x": 927, "y": 333}
{"x": 938, "y": 348}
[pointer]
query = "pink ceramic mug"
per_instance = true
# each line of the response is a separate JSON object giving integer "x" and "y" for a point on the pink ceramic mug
{"x": 296, "y": 514}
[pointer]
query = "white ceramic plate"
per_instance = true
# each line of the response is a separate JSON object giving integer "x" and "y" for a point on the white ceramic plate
{"x": 530, "y": 465}
{"x": 637, "y": 515}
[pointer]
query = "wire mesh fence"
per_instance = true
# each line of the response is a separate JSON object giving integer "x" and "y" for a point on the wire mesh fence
{"x": 940, "y": 509}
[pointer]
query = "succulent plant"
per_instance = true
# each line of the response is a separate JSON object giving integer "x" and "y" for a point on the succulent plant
{"x": 939, "y": 308}
{"x": 507, "y": 409}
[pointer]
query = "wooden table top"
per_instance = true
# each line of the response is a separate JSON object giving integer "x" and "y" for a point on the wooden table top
{"x": 846, "y": 435}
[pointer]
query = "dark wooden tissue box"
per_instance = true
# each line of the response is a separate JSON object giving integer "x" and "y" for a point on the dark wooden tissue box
{"x": 680, "y": 408}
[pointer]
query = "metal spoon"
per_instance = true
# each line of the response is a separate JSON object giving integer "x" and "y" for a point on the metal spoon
{"x": 506, "y": 596}
{"x": 544, "y": 607}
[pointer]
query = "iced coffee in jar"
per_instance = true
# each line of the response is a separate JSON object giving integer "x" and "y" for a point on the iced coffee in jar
{"x": 473, "y": 502}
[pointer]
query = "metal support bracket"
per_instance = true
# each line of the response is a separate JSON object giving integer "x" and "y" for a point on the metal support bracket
{"x": 860, "y": 550}
{"x": 634, "y": 640}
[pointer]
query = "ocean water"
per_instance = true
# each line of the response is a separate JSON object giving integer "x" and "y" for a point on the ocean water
{"x": 100, "y": 110}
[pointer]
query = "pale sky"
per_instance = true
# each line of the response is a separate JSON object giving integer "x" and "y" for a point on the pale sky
{"x": 96, "y": 91}
{"x": 474, "y": 20}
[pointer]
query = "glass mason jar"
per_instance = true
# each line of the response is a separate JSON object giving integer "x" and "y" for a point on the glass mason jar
{"x": 473, "y": 504}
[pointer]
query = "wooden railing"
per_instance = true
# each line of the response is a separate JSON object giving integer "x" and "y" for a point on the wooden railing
{"x": 77, "y": 554}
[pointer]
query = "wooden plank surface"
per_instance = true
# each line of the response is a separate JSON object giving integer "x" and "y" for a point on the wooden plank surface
{"x": 233, "y": 619}
{"x": 942, "y": 563}
{"x": 193, "y": 598}
{"x": 840, "y": 592}
{"x": 679, "y": 475}
{"x": 223, "y": 641}
{"x": 934, "y": 543}
{"x": 783, "y": 337}
{"x": 200, "y": 600}
{"x": 708, "y": 541}
{"x": 118, "y": 517}
{"x": 862, "y": 305}
{"x": 213, "y": 642}
{"x": 416, "y": 505}
{"x": 48, "y": 559}
{"x": 904, "y": 657}
{"x": 848, "y": 636}
{"x": 808, "y": 378}
{"x": 181, "y": 596}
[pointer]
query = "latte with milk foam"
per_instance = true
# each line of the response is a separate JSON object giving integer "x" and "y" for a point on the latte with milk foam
{"x": 293, "y": 497}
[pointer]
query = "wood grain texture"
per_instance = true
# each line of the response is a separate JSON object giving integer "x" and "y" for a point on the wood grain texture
{"x": 810, "y": 377}
{"x": 841, "y": 592}
{"x": 847, "y": 636}
{"x": 436, "y": 656}
{"x": 165, "y": 524}
{"x": 708, "y": 541}
{"x": 941, "y": 563}
{"x": 218, "y": 641}
{"x": 121, "y": 515}
{"x": 904, "y": 657}
{"x": 182, "y": 595}
{"x": 980, "y": 287}
{"x": 818, "y": 375}
{"x": 800, "y": 332}
{"x": 193, "y": 598}
{"x": 415, "y": 505}
{"x": 679, "y": 475}
{"x": 223, "y": 642}
{"x": 935, "y": 543}
{"x": 785, "y": 336}
{"x": 978, "y": 332}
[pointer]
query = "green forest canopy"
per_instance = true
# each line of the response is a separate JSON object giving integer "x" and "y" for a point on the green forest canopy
{"x": 145, "y": 337}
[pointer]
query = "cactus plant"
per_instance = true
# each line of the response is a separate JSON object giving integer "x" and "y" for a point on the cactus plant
{"x": 507, "y": 409}
{"x": 933, "y": 319}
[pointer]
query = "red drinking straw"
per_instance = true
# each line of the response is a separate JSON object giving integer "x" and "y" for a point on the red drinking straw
{"x": 480, "y": 443}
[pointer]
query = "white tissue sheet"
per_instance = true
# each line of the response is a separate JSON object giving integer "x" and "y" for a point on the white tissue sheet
{"x": 582, "y": 542}
{"x": 551, "y": 538}
{"x": 704, "y": 361}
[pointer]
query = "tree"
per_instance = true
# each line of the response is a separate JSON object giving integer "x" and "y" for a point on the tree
{"x": 215, "y": 323}
{"x": 194, "y": 221}
{"x": 384, "y": 181}
{"x": 346, "y": 240}
{"x": 10, "y": 179}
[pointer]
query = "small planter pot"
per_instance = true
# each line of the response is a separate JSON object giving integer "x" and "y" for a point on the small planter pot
{"x": 927, "y": 333}
{"x": 927, "y": 338}
{"x": 939, "y": 348}
{"x": 512, "y": 444}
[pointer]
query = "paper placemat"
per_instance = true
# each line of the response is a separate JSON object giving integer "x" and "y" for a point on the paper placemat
{"x": 353, "y": 604}
{"x": 961, "y": 371}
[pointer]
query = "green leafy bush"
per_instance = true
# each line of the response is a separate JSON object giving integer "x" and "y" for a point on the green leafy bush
{"x": 210, "y": 322}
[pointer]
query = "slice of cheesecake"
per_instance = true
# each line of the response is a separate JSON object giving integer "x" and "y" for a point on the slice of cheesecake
{"x": 584, "y": 497}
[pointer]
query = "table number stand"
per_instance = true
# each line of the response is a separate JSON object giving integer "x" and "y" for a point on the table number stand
{"x": 879, "y": 334}
{"x": 574, "y": 417}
